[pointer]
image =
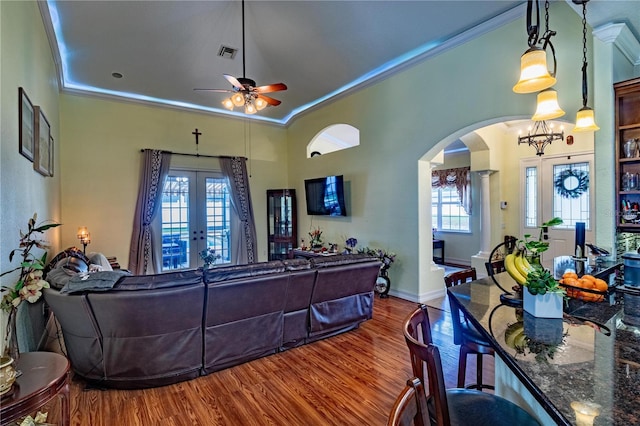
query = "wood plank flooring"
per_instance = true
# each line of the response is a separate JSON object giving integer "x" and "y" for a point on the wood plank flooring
{"x": 350, "y": 379}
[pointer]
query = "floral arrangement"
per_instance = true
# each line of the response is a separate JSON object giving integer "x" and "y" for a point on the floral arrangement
{"x": 316, "y": 237}
{"x": 30, "y": 283}
{"x": 386, "y": 257}
{"x": 209, "y": 257}
{"x": 350, "y": 244}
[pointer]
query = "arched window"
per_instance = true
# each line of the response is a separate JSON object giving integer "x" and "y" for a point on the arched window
{"x": 333, "y": 138}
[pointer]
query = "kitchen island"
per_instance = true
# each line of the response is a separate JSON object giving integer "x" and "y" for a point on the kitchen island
{"x": 589, "y": 358}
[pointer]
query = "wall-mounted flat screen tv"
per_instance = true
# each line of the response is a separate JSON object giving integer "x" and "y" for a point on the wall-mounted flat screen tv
{"x": 325, "y": 196}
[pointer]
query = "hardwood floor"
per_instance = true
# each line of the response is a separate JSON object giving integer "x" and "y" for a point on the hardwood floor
{"x": 350, "y": 379}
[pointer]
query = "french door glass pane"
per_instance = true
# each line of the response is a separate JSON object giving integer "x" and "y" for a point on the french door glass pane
{"x": 218, "y": 208}
{"x": 175, "y": 223}
{"x": 571, "y": 194}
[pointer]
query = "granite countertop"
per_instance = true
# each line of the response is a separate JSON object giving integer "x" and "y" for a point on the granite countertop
{"x": 592, "y": 355}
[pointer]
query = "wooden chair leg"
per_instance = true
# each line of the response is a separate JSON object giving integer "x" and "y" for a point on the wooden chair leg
{"x": 479, "y": 372}
{"x": 462, "y": 366}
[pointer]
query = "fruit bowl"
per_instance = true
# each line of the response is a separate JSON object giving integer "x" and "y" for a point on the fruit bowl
{"x": 587, "y": 288}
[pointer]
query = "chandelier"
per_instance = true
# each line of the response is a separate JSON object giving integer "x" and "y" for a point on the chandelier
{"x": 540, "y": 135}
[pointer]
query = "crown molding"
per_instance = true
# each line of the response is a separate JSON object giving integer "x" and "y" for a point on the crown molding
{"x": 622, "y": 37}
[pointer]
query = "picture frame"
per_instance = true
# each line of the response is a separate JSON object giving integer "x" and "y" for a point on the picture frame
{"x": 42, "y": 132}
{"x": 51, "y": 156}
{"x": 26, "y": 124}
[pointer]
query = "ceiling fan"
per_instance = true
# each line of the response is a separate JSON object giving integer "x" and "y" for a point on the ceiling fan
{"x": 245, "y": 92}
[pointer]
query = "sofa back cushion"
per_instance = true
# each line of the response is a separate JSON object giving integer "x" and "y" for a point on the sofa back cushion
{"x": 159, "y": 281}
{"x": 225, "y": 273}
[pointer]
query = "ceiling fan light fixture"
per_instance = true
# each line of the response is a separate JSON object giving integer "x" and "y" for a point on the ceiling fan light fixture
{"x": 249, "y": 108}
{"x": 237, "y": 99}
{"x": 548, "y": 107}
{"x": 585, "y": 121}
{"x": 534, "y": 73}
{"x": 228, "y": 104}
{"x": 261, "y": 104}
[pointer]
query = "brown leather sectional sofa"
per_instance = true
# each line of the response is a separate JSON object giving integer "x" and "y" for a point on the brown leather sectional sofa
{"x": 154, "y": 330}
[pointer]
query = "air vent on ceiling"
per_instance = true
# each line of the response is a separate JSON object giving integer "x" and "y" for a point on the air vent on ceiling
{"x": 227, "y": 52}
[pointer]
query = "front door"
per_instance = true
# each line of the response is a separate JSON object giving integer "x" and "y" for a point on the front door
{"x": 559, "y": 186}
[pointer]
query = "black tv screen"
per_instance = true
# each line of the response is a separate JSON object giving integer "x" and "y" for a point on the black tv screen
{"x": 325, "y": 196}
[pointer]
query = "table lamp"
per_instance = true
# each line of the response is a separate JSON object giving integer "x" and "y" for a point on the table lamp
{"x": 84, "y": 237}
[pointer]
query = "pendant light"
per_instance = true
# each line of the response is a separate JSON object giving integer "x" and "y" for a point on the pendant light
{"x": 585, "y": 118}
{"x": 534, "y": 73}
{"x": 548, "y": 107}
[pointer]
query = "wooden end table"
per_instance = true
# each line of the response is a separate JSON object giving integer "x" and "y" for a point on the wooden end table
{"x": 45, "y": 375}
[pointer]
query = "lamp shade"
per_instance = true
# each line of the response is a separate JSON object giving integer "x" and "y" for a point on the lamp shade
{"x": 228, "y": 103}
{"x": 237, "y": 99}
{"x": 249, "y": 108}
{"x": 534, "y": 74}
{"x": 548, "y": 107}
{"x": 585, "y": 121}
{"x": 260, "y": 104}
{"x": 82, "y": 232}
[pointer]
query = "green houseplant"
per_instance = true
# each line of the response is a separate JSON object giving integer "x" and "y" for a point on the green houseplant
{"x": 30, "y": 283}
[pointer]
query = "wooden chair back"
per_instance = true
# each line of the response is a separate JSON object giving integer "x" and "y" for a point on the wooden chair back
{"x": 410, "y": 408}
{"x": 428, "y": 354}
{"x": 418, "y": 326}
{"x": 460, "y": 277}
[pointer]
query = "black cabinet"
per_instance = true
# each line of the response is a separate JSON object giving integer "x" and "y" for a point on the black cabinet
{"x": 281, "y": 222}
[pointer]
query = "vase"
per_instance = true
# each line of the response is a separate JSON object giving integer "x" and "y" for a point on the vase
{"x": 548, "y": 305}
{"x": 8, "y": 374}
{"x": 11, "y": 336}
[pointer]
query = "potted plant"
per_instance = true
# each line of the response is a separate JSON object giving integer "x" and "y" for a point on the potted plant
{"x": 543, "y": 296}
{"x": 534, "y": 248}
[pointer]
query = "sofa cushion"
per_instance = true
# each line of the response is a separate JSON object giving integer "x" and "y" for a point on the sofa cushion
{"x": 296, "y": 264}
{"x": 226, "y": 273}
{"x": 96, "y": 281}
{"x": 345, "y": 259}
{"x": 167, "y": 280}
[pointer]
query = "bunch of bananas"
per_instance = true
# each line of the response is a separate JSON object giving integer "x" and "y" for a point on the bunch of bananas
{"x": 518, "y": 266}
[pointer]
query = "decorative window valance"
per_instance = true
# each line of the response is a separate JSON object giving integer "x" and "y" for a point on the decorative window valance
{"x": 460, "y": 178}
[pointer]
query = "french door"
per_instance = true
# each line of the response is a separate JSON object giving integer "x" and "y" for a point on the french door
{"x": 196, "y": 215}
{"x": 557, "y": 186}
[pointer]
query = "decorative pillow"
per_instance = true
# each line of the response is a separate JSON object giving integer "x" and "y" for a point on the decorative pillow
{"x": 100, "y": 260}
{"x": 58, "y": 277}
{"x": 74, "y": 264}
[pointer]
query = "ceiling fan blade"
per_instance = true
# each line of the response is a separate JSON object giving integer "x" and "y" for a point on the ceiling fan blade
{"x": 234, "y": 81}
{"x": 215, "y": 90}
{"x": 271, "y": 88}
{"x": 270, "y": 101}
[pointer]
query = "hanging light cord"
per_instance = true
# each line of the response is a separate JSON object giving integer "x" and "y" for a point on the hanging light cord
{"x": 243, "y": 49}
{"x": 546, "y": 37}
{"x": 532, "y": 30}
{"x": 584, "y": 54}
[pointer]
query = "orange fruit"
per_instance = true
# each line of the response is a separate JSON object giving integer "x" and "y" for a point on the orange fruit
{"x": 588, "y": 277}
{"x": 601, "y": 284}
{"x": 570, "y": 275}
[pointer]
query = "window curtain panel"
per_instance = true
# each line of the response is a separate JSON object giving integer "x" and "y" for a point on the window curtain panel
{"x": 459, "y": 178}
{"x": 143, "y": 257}
{"x": 235, "y": 170}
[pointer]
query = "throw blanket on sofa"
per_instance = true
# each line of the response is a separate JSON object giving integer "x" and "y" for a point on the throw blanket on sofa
{"x": 97, "y": 281}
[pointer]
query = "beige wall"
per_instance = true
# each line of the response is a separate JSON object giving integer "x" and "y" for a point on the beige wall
{"x": 98, "y": 143}
{"x": 26, "y": 62}
{"x": 101, "y": 162}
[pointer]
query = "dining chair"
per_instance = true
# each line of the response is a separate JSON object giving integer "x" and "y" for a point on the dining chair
{"x": 410, "y": 407}
{"x": 460, "y": 406}
{"x": 471, "y": 341}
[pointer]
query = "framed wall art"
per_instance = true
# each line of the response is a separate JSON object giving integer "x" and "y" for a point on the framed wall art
{"x": 42, "y": 138}
{"x": 26, "y": 125}
{"x": 51, "y": 156}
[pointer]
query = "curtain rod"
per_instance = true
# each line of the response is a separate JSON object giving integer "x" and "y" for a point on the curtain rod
{"x": 197, "y": 155}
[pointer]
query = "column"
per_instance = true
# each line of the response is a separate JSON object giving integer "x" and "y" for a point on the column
{"x": 482, "y": 257}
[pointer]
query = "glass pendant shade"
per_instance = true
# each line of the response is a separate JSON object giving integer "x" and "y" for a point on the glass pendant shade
{"x": 585, "y": 121}
{"x": 260, "y": 104}
{"x": 534, "y": 74}
{"x": 548, "y": 107}
{"x": 237, "y": 99}
{"x": 249, "y": 108}
{"x": 228, "y": 104}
